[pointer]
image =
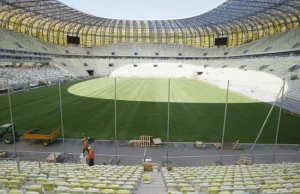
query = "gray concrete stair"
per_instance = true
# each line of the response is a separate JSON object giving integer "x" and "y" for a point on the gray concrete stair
{"x": 156, "y": 187}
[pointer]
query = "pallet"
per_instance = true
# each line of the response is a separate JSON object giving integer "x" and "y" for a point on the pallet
{"x": 135, "y": 143}
{"x": 244, "y": 161}
{"x": 157, "y": 141}
{"x": 145, "y": 141}
{"x": 231, "y": 146}
{"x": 218, "y": 145}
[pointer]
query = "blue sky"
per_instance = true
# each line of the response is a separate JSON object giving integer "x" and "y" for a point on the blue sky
{"x": 142, "y": 9}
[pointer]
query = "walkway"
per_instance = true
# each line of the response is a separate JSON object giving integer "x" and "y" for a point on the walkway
{"x": 156, "y": 186}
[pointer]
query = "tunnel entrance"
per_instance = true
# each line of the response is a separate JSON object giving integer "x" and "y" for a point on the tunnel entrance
{"x": 90, "y": 72}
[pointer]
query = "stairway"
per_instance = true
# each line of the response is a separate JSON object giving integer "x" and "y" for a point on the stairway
{"x": 156, "y": 186}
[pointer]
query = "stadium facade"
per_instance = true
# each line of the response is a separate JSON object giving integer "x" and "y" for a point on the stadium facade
{"x": 241, "y": 21}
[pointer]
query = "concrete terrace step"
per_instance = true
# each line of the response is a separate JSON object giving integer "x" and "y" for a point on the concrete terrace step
{"x": 156, "y": 186}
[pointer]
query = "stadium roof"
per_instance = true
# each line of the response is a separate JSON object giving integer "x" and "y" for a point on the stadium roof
{"x": 230, "y": 17}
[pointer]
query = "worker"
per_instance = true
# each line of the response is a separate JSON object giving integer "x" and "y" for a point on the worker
{"x": 85, "y": 146}
{"x": 91, "y": 156}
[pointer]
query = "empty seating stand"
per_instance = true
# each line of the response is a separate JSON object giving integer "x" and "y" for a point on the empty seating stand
{"x": 234, "y": 179}
{"x": 68, "y": 178}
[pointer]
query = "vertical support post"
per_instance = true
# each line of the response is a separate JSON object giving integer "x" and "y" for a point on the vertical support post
{"x": 61, "y": 116}
{"x": 18, "y": 164}
{"x": 224, "y": 124}
{"x": 278, "y": 123}
{"x": 263, "y": 126}
{"x": 39, "y": 161}
{"x": 168, "y": 121}
{"x": 116, "y": 149}
{"x": 11, "y": 118}
{"x": 145, "y": 152}
{"x": 54, "y": 158}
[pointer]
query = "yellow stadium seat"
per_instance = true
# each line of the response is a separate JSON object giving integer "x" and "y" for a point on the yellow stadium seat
{"x": 108, "y": 191}
{"x": 14, "y": 184}
{"x": 214, "y": 190}
{"x": 34, "y": 188}
{"x": 147, "y": 179}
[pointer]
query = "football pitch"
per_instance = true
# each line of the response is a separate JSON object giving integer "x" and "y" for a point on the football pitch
{"x": 196, "y": 111}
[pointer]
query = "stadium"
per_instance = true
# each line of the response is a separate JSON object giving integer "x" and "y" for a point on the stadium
{"x": 203, "y": 104}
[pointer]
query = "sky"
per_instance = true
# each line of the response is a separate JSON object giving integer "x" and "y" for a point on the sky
{"x": 143, "y": 9}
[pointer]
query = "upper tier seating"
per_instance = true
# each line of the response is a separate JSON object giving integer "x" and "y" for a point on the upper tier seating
{"x": 277, "y": 42}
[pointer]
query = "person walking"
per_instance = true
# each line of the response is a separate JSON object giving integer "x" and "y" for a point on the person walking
{"x": 85, "y": 146}
{"x": 91, "y": 156}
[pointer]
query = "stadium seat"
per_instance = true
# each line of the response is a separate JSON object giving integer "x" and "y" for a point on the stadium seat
{"x": 101, "y": 186}
{"x": 15, "y": 191}
{"x": 128, "y": 187}
{"x": 114, "y": 187}
{"x": 14, "y": 184}
{"x": 74, "y": 185}
{"x": 296, "y": 190}
{"x": 239, "y": 192}
{"x": 171, "y": 187}
{"x": 284, "y": 191}
{"x": 77, "y": 191}
{"x": 147, "y": 179}
{"x": 61, "y": 190}
{"x": 186, "y": 190}
{"x": 49, "y": 185}
{"x": 108, "y": 191}
{"x": 34, "y": 188}
{"x": 3, "y": 183}
{"x": 253, "y": 189}
{"x": 3, "y": 191}
{"x": 123, "y": 192}
{"x": 225, "y": 192}
{"x": 61, "y": 183}
{"x": 214, "y": 190}
{"x": 86, "y": 186}
{"x": 204, "y": 186}
{"x": 92, "y": 191}
{"x": 40, "y": 180}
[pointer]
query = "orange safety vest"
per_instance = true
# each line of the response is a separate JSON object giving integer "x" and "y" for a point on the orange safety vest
{"x": 85, "y": 144}
{"x": 91, "y": 154}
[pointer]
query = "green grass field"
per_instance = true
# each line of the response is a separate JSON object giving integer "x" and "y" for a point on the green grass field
{"x": 196, "y": 111}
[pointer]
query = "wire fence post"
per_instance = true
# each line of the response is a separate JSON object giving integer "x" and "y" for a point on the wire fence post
{"x": 18, "y": 164}
{"x": 267, "y": 118}
{"x": 116, "y": 148}
{"x": 224, "y": 124}
{"x": 278, "y": 123}
{"x": 39, "y": 161}
{"x": 11, "y": 118}
{"x": 168, "y": 121}
{"x": 61, "y": 116}
{"x": 145, "y": 152}
{"x": 54, "y": 158}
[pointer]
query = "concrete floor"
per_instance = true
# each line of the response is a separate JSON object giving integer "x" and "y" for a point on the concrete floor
{"x": 180, "y": 154}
